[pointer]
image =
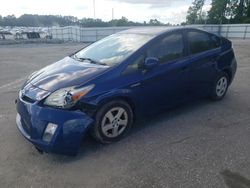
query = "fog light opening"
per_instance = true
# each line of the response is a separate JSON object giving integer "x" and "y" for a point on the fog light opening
{"x": 49, "y": 132}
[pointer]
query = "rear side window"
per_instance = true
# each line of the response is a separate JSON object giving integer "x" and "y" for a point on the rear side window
{"x": 168, "y": 49}
{"x": 200, "y": 42}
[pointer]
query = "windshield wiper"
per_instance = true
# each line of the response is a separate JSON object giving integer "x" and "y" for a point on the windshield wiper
{"x": 89, "y": 59}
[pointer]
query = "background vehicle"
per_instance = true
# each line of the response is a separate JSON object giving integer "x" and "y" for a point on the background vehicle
{"x": 111, "y": 83}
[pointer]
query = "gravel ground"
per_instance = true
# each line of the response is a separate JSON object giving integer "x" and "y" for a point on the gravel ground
{"x": 201, "y": 144}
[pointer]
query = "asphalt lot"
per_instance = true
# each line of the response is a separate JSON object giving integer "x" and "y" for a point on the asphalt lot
{"x": 201, "y": 144}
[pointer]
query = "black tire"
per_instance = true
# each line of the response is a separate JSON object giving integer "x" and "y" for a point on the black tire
{"x": 97, "y": 129}
{"x": 216, "y": 96}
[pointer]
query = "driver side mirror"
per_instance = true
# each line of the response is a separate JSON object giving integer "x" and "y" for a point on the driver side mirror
{"x": 150, "y": 63}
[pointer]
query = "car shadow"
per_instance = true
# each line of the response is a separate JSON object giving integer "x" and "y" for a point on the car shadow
{"x": 90, "y": 146}
{"x": 235, "y": 180}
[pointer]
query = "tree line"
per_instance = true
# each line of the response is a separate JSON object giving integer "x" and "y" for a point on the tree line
{"x": 29, "y": 20}
{"x": 221, "y": 12}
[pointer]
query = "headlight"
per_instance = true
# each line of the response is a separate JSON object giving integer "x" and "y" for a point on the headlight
{"x": 67, "y": 97}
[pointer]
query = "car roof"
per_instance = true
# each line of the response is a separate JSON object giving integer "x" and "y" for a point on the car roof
{"x": 154, "y": 31}
{"x": 149, "y": 30}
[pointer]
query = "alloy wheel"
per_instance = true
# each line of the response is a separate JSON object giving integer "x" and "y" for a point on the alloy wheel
{"x": 114, "y": 122}
{"x": 221, "y": 86}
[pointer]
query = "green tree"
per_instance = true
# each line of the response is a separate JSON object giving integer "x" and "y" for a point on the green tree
{"x": 217, "y": 13}
{"x": 194, "y": 14}
{"x": 154, "y": 22}
{"x": 28, "y": 20}
{"x": 122, "y": 22}
{"x": 248, "y": 8}
{"x": 231, "y": 10}
{"x": 242, "y": 11}
{"x": 222, "y": 11}
{"x": 58, "y": 20}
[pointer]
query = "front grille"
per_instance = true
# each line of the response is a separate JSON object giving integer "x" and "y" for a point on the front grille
{"x": 26, "y": 127}
{"x": 27, "y": 99}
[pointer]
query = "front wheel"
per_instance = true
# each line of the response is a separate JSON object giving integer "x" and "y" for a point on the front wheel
{"x": 113, "y": 121}
{"x": 220, "y": 87}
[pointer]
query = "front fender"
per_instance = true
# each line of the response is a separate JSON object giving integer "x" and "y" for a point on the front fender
{"x": 114, "y": 94}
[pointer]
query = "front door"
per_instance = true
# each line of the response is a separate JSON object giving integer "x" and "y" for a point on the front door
{"x": 164, "y": 85}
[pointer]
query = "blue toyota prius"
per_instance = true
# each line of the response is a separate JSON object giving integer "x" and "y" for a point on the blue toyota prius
{"x": 103, "y": 88}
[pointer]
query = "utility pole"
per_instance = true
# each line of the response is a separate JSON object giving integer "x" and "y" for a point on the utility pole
{"x": 112, "y": 13}
{"x": 94, "y": 7}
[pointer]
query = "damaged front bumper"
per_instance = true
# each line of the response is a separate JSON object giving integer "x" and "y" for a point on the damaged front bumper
{"x": 32, "y": 121}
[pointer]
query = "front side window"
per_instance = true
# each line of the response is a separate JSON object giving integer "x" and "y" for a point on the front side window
{"x": 113, "y": 49}
{"x": 200, "y": 42}
{"x": 135, "y": 66}
{"x": 168, "y": 49}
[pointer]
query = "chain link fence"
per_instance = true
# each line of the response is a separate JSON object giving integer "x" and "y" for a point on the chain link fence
{"x": 80, "y": 34}
{"x": 240, "y": 31}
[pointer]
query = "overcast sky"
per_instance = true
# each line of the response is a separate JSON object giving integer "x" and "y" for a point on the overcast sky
{"x": 173, "y": 11}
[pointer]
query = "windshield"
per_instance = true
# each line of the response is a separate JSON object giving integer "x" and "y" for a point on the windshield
{"x": 113, "y": 49}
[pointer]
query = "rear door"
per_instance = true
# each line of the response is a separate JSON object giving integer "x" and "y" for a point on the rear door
{"x": 204, "y": 50}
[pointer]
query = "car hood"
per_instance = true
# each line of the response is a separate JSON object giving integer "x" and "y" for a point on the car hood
{"x": 65, "y": 73}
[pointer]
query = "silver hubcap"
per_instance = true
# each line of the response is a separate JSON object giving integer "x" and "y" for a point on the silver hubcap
{"x": 221, "y": 86}
{"x": 114, "y": 122}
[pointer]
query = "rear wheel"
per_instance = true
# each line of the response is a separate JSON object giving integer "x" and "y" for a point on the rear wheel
{"x": 113, "y": 121}
{"x": 220, "y": 87}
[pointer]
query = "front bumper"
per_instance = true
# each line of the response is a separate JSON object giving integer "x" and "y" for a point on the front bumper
{"x": 33, "y": 119}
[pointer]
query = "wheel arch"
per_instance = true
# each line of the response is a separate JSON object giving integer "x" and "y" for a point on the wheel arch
{"x": 229, "y": 74}
{"x": 126, "y": 99}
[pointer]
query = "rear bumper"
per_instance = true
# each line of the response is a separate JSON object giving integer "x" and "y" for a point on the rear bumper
{"x": 233, "y": 68}
{"x": 33, "y": 119}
